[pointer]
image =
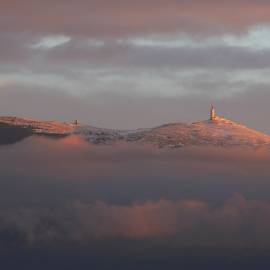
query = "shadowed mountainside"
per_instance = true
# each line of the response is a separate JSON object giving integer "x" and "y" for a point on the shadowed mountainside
{"x": 12, "y": 134}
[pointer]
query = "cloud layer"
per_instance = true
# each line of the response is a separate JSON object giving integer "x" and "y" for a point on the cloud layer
{"x": 237, "y": 223}
{"x": 81, "y": 193}
{"x": 65, "y": 203}
{"x": 103, "y": 18}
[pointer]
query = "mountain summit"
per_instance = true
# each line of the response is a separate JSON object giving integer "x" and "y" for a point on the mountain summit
{"x": 217, "y": 131}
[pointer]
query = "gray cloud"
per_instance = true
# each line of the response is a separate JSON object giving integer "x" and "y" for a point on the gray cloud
{"x": 81, "y": 55}
{"x": 127, "y": 55}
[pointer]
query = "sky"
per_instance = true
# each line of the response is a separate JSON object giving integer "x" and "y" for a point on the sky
{"x": 131, "y": 64}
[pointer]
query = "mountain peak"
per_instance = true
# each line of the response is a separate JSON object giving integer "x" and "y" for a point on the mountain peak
{"x": 216, "y": 131}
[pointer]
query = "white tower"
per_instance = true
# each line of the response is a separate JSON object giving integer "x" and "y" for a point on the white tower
{"x": 213, "y": 115}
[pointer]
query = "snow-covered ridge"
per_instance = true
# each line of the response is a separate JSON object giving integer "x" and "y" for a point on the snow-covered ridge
{"x": 89, "y": 133}
{"x": 107, "y": 136}
{"x": 216, "y": 132}
{"x": 39, "y": 127}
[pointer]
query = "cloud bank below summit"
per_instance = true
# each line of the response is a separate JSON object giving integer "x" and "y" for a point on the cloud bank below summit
{"x": 190, "y": 222}
{"x": 82, "y": 195}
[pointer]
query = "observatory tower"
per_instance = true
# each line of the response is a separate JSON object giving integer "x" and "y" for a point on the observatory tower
{"x": 213, "y": 115}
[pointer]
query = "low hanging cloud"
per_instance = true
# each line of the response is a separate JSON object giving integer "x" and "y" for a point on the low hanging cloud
{"x": 235, "y": 223}
{"x": 83, "y": 194}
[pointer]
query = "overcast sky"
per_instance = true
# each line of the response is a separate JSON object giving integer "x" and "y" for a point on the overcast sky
{"x": 129, "y": 64}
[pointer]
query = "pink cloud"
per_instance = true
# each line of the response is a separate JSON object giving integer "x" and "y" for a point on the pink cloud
{"x": 116, "y": 18}
{"x": 236, "y": 223}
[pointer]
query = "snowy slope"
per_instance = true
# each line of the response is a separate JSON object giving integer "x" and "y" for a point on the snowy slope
{"x": 38, "y": 127}
{"x": 108, "y": 136}
{"x": 219, "y": 132}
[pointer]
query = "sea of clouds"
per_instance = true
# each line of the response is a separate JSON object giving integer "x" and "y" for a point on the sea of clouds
{"x": 68, "y": 194}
